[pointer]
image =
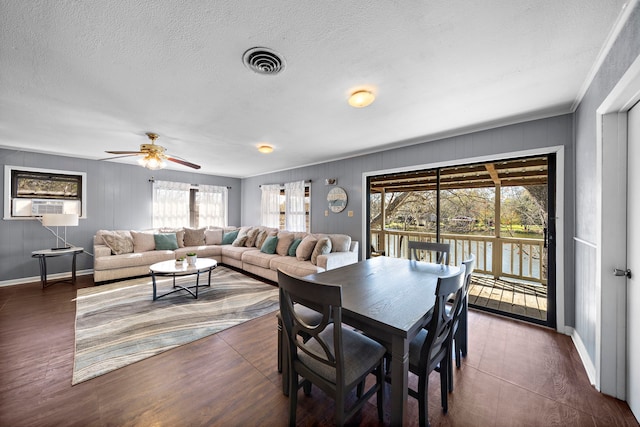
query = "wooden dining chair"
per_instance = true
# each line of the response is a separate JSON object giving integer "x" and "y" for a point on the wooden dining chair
{"x": 441, "y": 249}
{"x": 336, "y": 359}
{"x": 431, "y": 349}
{"x": 307, "y": 315}
{"x": 460, "y": 315}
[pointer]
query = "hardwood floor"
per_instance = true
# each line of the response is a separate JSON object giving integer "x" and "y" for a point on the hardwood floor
{"x": 515, "y": 374}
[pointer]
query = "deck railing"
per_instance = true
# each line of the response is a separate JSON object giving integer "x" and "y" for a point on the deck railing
{"x": 500, "y": 257}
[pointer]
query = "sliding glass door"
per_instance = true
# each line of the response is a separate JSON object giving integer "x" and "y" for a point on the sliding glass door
{"x": 499, "y": 211}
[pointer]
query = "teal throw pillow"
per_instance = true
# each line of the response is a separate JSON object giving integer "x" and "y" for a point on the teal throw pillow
{"x": 166, "y": 241}
{"x": 293, "y": 247}
{"x": 229, "y": 237}
{"x": 269, "y": 245}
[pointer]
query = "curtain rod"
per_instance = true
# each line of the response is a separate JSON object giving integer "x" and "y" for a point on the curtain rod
{"x": 152, "y": 179}
{"x": 282, "y": 184}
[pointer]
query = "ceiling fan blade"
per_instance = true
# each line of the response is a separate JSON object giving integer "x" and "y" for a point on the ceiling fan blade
{"x": 125, "y": 152}
{"x": 118, "y": 157}
{"x": 184, "y": 162}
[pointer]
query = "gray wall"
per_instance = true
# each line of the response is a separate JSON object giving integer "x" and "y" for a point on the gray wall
{"x": 624, "y": 51}
{"x": 537, "y": 134}
{"x": 119, "y": 197}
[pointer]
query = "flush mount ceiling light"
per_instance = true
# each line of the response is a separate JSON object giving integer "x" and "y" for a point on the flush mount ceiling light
{"x": 361, "y": 98}
{"x": 265, "y": 148}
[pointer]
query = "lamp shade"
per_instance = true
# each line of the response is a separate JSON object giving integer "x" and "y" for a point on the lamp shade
{"x": 59, "y": 220}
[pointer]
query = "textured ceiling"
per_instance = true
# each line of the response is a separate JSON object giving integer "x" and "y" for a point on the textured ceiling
{"x": 81, "y": 77}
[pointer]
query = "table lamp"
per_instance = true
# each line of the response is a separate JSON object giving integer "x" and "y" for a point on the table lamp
{"x": 60, "y": 220}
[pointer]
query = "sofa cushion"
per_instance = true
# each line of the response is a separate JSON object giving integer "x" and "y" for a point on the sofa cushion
{"x": 263, "y": 233}
{"x": 166, "y": 241}
{"x": 269, "y": 245}
{"x": 120, "y": 242}
{"x": 300, "y": 235}
{"x": 258, "y": 258}
{"x": 194, "y": 237}
{"x": 305, "y": 248}
{"x": 293, "y": 247}
{"x": 213, "y": 236}
{"x": 234, "y": 252}
{"x": 293, "y": 266}
{"x": 251, "y": 237}
{"x": 206, "y": 251}
{"x": 285, "y": 239}
{"x": 179, "y": 234}
{"x": 323, "y": 246}
{"x": 143, "y": 241}
{"x": 242, "y": 237}
{"x": 340, "y": 242}
{"x": 132, "y": 260}
{"x": 229, "y": 237}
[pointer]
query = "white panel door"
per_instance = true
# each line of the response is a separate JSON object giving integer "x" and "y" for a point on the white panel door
{"x": 633, "y": 260}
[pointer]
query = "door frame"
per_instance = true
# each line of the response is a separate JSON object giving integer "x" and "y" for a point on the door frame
{"x": 559, "y": 213}
{"x": 611, "y": 168}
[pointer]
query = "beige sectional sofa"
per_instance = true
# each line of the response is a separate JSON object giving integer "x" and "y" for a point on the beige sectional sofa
{"x": 121, "y": 254}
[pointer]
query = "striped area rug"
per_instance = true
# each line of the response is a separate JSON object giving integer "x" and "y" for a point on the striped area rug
{"x": 119, "y": 324}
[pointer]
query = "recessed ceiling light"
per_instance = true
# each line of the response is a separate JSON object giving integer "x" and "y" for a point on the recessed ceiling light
{"x": 361, "y": 98}
{"x": 265, "y": 148}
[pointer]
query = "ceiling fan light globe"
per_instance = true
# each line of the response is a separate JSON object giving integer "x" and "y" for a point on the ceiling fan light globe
{"x": 155, "y": 162}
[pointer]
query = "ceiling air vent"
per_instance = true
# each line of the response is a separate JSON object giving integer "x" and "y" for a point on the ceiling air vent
{"x": 263, "y": 61}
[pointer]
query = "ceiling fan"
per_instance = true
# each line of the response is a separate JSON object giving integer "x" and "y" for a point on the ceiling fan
{"x": 154, "y": 156}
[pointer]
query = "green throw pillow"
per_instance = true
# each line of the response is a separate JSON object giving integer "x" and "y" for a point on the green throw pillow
{"x": 269, "y": 245}
{"x": 166, "y": 241}
{"x": 293, "y": 247}
{"x": 229, "y": 237}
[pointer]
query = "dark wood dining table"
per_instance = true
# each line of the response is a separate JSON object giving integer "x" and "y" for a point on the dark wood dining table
{"x": 389, "y": 299}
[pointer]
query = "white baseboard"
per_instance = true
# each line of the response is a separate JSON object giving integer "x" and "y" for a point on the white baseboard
{"x": 57, "y": 276}
{"x": 584, "y": 355}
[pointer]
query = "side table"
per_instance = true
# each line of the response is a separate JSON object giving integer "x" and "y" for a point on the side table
{"x": 42, "y": 256}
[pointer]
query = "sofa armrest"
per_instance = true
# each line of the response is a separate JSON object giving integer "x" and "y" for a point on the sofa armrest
{"x": 101, "y": 251}
{"x": 337, "y": 259}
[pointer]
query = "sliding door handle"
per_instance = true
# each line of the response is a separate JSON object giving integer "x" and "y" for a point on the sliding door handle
{"x": 620, "y": 272}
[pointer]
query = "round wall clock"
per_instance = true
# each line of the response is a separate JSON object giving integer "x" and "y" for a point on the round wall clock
{"x": 337, "y": 199}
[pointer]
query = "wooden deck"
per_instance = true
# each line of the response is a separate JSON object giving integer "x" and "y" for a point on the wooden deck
{"x": 520, "y": 298}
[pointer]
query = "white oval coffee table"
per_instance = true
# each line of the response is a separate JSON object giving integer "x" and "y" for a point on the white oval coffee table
{"x": 171, "y": 268}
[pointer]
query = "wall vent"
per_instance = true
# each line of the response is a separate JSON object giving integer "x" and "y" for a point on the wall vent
{"x": 263, "y": 61}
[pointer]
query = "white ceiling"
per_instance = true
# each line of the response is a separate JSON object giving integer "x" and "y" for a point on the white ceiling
{"x": 82, "y": 77}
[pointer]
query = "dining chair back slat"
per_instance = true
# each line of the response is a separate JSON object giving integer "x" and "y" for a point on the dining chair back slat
{"x": 441, "y": 251}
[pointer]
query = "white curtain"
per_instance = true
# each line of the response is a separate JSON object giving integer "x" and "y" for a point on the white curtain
{"x": 294, "y": 206}
{"x": 170, "y": 204}
{"x": 212, "y": 205}
{"x": 270, "y": 206}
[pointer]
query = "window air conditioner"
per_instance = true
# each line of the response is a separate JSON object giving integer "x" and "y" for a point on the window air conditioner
{"x": 40, "y": 207}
